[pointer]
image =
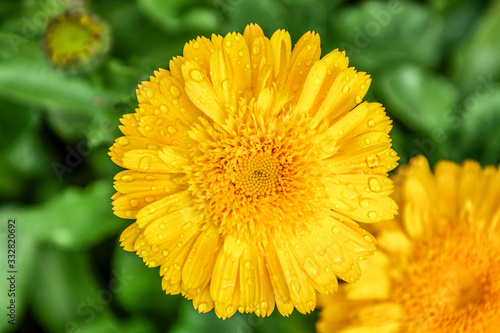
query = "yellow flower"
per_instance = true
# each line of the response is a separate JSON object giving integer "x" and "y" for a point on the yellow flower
{"x": 248, "y": 164}
{"x": 76, "y": 41}
{"x": 439, "y": 265}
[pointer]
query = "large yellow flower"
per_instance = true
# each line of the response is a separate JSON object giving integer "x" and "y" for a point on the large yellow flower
{"x": 248, "y": 165}
{"x": 439, "y": 267}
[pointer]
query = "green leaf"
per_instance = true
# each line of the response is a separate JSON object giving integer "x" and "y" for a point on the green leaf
{"x": 39, "y": 85}
{"x": 375, "y": 34}
{"x": 418, "y": 98}
{"x": 479, "y": 56}
{"x": 479, "y": 137}
{"x": 75, "y": 218}
{"x": 69, "y": 296}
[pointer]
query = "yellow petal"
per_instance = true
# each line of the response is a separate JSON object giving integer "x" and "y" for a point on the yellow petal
{"x": 361, "y": 197}
{"x": 199, "y": 51}
{"x": 201, "y": 92}
{"x": 200, "y": 262}
{"x": 236, "y": 47}
{"x": 282, "y": 50}
{"x": 225, "y": 277}
{"x": 304, "y": 55}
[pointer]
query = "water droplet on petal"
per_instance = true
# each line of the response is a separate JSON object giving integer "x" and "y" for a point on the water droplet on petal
{"x": 335, "y": 230}
{"x": 176, "y": 92}
{"x": 172, "y": 130}
{"x": 373, "y": 161}
{"x": 127, "y": 178}
{"x": 367, "y": 141}
{"x": 128, "y": 213}
{"x": 372, "y": 215}
{"x": 152, "y": 263}
{"x": 358, "y": 99}
{"x": 195, "y": 45}
{"x": 256, "y": 50}
{"x": 196, "y": 75}
{"x": 248, "y": 265}
{"x": 187, "y": 226}
{"x": 345, "y": 89}
{"x": 203, "y": 307}
{"x": 371, "y": 123}
{"x": 149, "y": 92}
{"x": 177, "y": 267}
{"x": 145, "y": 163}
{"x": 162, "y": 226}
{"x": 374, "y": 184}
{"x": 123, "y": 141}
{"x": 134, "y": 202}
{"x": 311, "y": 304}
{"x": 149, "y": 199}
{"x": 165, "y": 252}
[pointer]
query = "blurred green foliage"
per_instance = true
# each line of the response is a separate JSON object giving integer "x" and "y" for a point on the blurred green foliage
{"x": 435, "y": 66}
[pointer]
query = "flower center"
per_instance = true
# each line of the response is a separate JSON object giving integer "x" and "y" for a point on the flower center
{"x": 451, "y": 284}
{"x": 258, "y": 174}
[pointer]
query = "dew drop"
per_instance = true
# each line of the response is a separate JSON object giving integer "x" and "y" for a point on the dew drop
{"x": 127, "y": 178}
{"x": 123, "y": 141}
{"x": 128, "y": 213}
{"x": 176, "y": 92}
{"x": 373, "y": 161}
{"x": 149, "y": 199}
{"x": 358, "y": 99}
{"x": 149, "y": 92}
{"x": 145, "y": 163}
{"x": 230, "y": 310}
{"x": 134, "y": 202}
{"x": 187, "y": 226}
{"x": 152, "y": 263}
{"x": 295, "y": 87}
{"x": 345, "y": 89}
{"x": 311, "y": 304}
{"x": 195, "y": 45}
{"x": 226, "y": 84}
{"x": 374, "y": 184}
{"x": 264, "y": 305}
{"x": 335, "y": 230}
{"x": 155, "y": 248}
{"x": 256, "y": 50}
{"x": 148, "y": 128}
{"x": 248, "y": 265}
{"x": 367, "y": 141}
{"x": 203, "y": 307}
{"x": 372, "y": 215}
{"x": 364, "y": 203}
{"x": 177, "y": 267}
{"x": 144, "y": 253}
{"x": 172, "y": 130}
{"x": 162, "y": 226}
{"x": 228, "y": 43}
{"x": 196, "y": 75}
{"x": 371, "y": 123}
{"x": 163, "y": 109}
{"x": 165, "y": 252}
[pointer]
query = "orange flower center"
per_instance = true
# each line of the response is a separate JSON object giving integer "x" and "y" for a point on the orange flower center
{"x": 452, "y": 284}
{"x": 257, "y": 178}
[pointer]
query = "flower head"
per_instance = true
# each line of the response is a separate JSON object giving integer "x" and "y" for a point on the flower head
{"x": 439, "y": 268}
{"x": 248, "y": 165}
{"x": 76, "y": 41}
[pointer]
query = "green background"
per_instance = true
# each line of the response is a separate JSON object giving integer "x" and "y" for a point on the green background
{"x": 435, "y": 66}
